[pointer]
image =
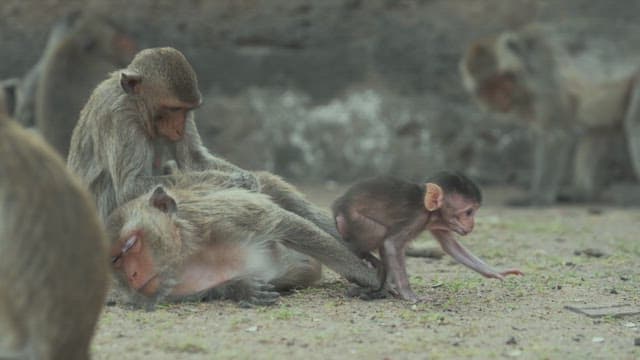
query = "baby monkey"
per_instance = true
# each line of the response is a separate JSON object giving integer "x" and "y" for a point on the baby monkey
{"x": 386, "y": 213}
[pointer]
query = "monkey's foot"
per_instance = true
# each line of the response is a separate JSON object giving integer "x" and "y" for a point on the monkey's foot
{"x": 246, "y": 180}
{"x": 367, "y": 294}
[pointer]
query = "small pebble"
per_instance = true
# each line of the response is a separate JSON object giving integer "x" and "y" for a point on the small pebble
{"x": 597, "y": 339}
{"x": 593, "y": 252}
{"x": 512, "y": 341}
{"x": 624, "y": 278}
{"x": 613, "y": 291}
{"x": 636, "y": 342}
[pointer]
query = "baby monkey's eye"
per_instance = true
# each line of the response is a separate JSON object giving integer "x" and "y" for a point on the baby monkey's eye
{"x": 469, "y": 212}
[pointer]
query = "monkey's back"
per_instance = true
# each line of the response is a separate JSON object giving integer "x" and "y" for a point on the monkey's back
{"x": 386, "y": 199}
{"x": 53, "y": 257}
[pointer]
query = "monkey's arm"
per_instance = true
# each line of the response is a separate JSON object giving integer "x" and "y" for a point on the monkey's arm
{"x": 452, "y": 247}
{"x": 304, "y": 236}
{"x": 204, "y": 160}
{"x": 552, "y": 154}
{"x": 247, "y": 292}
{"x": 290, "y": 199}
{"x": 128, "y": 158}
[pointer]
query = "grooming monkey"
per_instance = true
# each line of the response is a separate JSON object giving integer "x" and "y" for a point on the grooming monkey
{"x": 140, "y": 119}
{"x": 197, "y": 239}
{"x": 386, "y": 213}
{"x": 575, "y": 84}
{"x": 53, "y": 253}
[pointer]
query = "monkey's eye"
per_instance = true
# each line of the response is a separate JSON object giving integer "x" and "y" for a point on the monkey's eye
{"x": 116, "y": 261}
{"x": 469, "y": 212}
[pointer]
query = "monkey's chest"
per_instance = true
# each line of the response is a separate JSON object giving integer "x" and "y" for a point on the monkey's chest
{"x": 163, "y": 153}
{"x": 210, "y": 267}
{"x": 600, "y": 104}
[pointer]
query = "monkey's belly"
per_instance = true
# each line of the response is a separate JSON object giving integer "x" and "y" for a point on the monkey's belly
{"x": 212, "y": 266}
{"x": 600, "y": 104}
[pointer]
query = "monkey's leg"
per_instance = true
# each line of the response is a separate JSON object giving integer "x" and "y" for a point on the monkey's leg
{"x": 302, "y": 235}
{"x": 298, "y": 270}
{"x": 632, "y": 128}
{"x": 551, "y": 156}
{"x": 394, "y": 261}
{"x": 287, "y": 197}
{"x": 590, "y": 152}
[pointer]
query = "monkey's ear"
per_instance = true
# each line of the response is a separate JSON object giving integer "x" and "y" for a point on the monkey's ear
{"x": 130, "y": 82}
{"x": 163, "y": 201}
{"x": 433, "y": 197}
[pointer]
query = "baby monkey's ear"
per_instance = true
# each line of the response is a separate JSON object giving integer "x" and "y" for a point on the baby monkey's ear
{"x": 433, "y": 197}
{"x": 163, "y": 201}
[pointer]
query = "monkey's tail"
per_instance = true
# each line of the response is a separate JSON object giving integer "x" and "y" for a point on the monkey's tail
{"x": 382, "y": 271}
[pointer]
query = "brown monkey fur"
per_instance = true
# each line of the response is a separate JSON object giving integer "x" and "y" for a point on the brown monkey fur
{"x": 575, "y": 85}
{"x": 53, "y": 253}
{"x": 386, "y": 214}
{"x": 197, "y": 239}
{"x": 83, "y": 49}
{"x": 140, "y": 118}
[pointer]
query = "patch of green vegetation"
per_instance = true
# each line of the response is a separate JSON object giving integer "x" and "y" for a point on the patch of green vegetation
{"x": 628, "y": 247}
{"x": 556, "y": 226}
{"x": 465, "y": 283}
{"x": 286, "y": 313}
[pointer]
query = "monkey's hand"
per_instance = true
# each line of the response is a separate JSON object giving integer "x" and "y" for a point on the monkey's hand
{"x": 368, "y": 294}
{"x": 252, "y": 292}
{"x": 512, "y": 272}
{"x": 501, "y": 275}
{"x": 170, "y": 168}
{"x": 246, "y": 180}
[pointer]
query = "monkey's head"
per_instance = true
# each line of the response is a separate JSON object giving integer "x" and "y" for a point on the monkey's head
{"x": 454, "y": 200}
{"x": 167, "y": 86}
{"x": 96, "y": 37}
{"x": 494, "y": 71}
{"x": 145, "y": 242}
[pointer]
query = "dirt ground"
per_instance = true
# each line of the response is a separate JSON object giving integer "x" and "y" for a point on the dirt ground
{"x": 467, "y": 316}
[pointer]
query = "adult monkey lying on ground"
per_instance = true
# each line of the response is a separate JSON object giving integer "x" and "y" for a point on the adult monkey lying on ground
{"x": 198, "y": 239}
{"x": 573, "y": 81}
{"x": 140, "y": 118}
{"x": 53, "y": 266}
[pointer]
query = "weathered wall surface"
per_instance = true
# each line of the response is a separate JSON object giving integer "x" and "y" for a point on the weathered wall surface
{"x": 327, "y": 90}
